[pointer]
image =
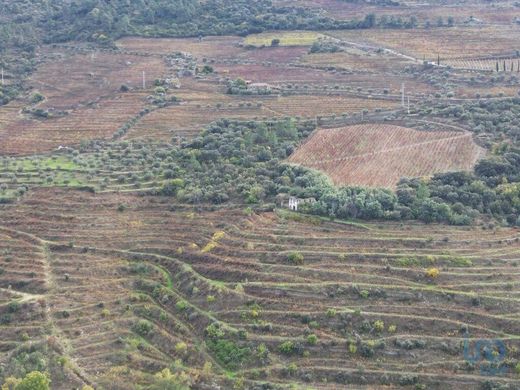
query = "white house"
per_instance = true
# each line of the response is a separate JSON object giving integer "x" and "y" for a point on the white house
{"x": 292, "y": 202}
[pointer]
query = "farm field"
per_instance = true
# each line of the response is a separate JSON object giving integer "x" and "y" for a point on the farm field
{"x": 448, "y": 43}
{"x": 76, "y": 92}
{"x": 293, "y": 38}
{"x": 259, "y": 195}
{"x": 357, "y": 310}
{"x": 376, "y": 155}
{"x": 499, "y": 14}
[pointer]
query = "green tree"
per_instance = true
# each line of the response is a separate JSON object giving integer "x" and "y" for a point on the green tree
{"x": 35, "y": 380}
{"x": 166, "y": 380}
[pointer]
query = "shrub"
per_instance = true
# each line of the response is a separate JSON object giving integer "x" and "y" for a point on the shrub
{"x": 228, "y": 353}
{"x": 312, "y": 339}
{"x": 37, "y": 97}
{"x": 295, "y": 258}
{"x": 181, "y": 305}
{"x": 331, "y": 312}
{"x": 292, "y": 368}
{"x": 143, "y": 327}
{"x": 168, "y": 380}
{"x": 181, "y": 347}
{"x": 432, "y": 273}
{"x": 34, "y": 381}
{"x": 287, "y": 348}
{"x": 408, "y": 379}
{"x": 214, "y": 331}
{"x": 379, "y": 326}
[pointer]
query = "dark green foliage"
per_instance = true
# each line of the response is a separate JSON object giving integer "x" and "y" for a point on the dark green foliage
{"x": 295, "y": 258}
{"x": 26, "y": 359}
{"x": 324, "y": 47}
{"x": 236, "y": 161}
{"x": 103, "y": 20}
{"x": 228, "y": 353}
{"x": 242, "y": 162}
{"x": 143, "y": 327}
{"x": 287, "y": 348}
{"x": 34, "y": 381}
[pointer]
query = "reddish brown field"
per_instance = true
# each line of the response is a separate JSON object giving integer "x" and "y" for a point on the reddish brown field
{"x": 309, "y": 106}
{"x": 26, "y": 135}
{"x": 499, "y": 13}
{"x": 456, "y": 42}
{"x": 276, "y": 55}
{"x": 352, "y": 275}
{"x": 84, "y": 91}
{"x": 81, "y": 78}
{"x": 379, "y": 155}
{"x": 209, "y": 47}
{"x": 190, "y": 119}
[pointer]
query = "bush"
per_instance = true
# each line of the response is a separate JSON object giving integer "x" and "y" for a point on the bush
{"x": 228, "y": 353}
{"x": 312, "y": 339}
{"x": 181, "y": 347}
{"x": 287, "y": 348}
{"x": 379, "y": 326}
{"x": 331, "y": 312}
{"x": 432, "y": 273}
{"x": 143, "y": 327}
{"x": 34, "y": 381}
{"x": 181, "y": 305}
{"x": 295, "y": 258}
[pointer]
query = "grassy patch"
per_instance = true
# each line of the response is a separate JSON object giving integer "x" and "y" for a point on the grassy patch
{"x": 293, "y": 38}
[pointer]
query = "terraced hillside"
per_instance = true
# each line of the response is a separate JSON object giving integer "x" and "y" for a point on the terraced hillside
{"x": 255, "y": 298}
{"x": 378, "y": 155}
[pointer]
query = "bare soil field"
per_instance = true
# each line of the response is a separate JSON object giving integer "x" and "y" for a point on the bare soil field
{"x": 208, "y": 47}
{"x": 448, "y": 43}
{"x": 378, "y": 155}
{"x": 66, "y": 80}
{"x": 29, "y": 135}
{"x": 75, "y": 93}
{"x": 362, "y": 291}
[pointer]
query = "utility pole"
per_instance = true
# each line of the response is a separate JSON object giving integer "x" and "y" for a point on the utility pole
{"x": 144, "y": 79}
{"x": 2, "y": 76}
{"x": 408, "y": 105}
{"x": 402, "y": 94}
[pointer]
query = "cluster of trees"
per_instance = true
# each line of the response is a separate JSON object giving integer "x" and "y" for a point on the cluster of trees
{"x": 103, "y": 20}
{"x": 322, "y": 46}
{"x": 235, "y": 161}
{"x": 243, "y": 162}
{"x": 494, "y": 119}
{"x": 34, "y": 380}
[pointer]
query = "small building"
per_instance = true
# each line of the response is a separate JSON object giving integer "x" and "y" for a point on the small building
{"x": 293, "y": 202}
